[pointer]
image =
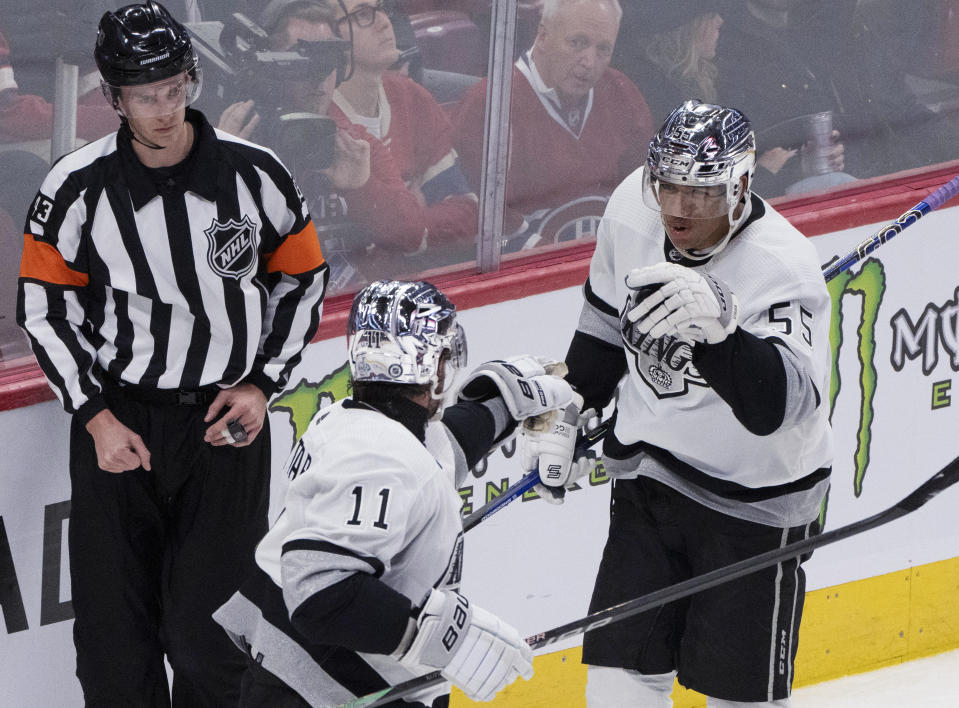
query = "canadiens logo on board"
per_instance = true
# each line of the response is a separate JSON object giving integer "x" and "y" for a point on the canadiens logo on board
{"x": 665, "y": 364}
{"x": 232, "y": 247}
{"x": 573, "y": 220}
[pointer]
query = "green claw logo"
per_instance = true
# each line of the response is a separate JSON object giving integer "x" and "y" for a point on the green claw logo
{"x": 870, "y": 285}
{"x": 303, "y": 401}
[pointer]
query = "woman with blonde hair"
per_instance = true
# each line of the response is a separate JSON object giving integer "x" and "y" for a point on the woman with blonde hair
{"x": 684, "y": 55}
{"x": 669, "y": 51}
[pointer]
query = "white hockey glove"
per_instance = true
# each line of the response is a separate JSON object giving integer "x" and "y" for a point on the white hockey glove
{"x": 552, "y": 449}
{"x": 672, "y": 300}
{"x": 472, "y": 648}
{"x": 530, "y": 386}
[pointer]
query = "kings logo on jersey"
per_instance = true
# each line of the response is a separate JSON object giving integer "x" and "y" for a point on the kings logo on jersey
{"x": 664, "y": 364}
{"x": 232, "y": 247}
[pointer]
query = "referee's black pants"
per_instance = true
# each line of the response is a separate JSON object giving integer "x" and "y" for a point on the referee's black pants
{"x": 153, "y": 554}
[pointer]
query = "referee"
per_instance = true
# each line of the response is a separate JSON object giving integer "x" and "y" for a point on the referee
{"x": 171, "y": 277}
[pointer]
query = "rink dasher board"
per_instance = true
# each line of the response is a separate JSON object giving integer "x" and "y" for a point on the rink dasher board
{"x": 909, "y": 436}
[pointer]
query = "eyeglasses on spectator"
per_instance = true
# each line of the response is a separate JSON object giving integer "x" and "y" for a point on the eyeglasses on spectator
{"x": 364, "y": 15}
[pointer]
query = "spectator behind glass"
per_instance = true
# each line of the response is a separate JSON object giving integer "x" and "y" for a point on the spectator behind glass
{"x": 371, "y": 225}
{"x": 25, "y": 117}
{"x": 28, "y": 117}
{"x": 577, "y": 126}
{"x": 407, "y": 120}
{"x": 672, "y": 56}
{"x": 904, "y": 132}
{"x": 670, "y": 52}
{"x": 815, "y": 58}
{"x": 16, "y": 197}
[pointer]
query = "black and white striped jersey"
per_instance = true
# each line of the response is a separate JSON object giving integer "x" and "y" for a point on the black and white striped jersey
{"x": 208, "y": 272}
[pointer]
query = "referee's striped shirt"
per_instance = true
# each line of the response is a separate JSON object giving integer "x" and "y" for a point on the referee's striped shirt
{"x": 209, "y": 272}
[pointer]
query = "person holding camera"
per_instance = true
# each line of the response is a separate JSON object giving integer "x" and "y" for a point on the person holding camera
{"x": 171, "y": 277}
{"x": 366, "y": 215}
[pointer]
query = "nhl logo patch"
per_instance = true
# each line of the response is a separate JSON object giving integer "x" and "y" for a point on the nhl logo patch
{"x": 232, "y": 247}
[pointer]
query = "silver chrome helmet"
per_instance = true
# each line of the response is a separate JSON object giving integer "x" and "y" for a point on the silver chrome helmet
{"x": 706, "y": 147}
{"x": 398, "y": 331}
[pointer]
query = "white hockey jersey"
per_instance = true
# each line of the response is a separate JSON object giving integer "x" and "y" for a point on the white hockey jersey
{"x": 774, "y": 272}
{"x": 366, "y": 497}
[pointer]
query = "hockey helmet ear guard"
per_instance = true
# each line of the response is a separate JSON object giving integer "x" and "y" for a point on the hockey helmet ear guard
{"x": 398, "y": 332}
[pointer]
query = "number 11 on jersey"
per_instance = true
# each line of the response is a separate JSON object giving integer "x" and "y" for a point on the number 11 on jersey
{"x": 380, "y": 522}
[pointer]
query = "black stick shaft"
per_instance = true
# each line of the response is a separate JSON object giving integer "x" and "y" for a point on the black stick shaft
{"x": 943, "y": 479}
{"x": 946, "y": 477}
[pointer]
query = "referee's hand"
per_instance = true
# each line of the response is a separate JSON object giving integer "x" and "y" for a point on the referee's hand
{"x": 118, "y": 448}
{"x": 247, "y": 406}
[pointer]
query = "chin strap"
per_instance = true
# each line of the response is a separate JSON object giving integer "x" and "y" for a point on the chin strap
{"x": 148, "y": 145}
{"x": 125, "y": 125}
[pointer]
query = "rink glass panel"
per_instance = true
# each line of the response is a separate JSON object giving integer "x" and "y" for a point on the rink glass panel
{"x": 838, "y": 93}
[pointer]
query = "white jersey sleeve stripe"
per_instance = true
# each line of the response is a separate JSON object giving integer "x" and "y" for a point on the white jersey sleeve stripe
{"x": 53, "y": 317}
{"x": 332, "y": 551}
{"x": 599, "y": 324}
{"x": 288, "y": 327}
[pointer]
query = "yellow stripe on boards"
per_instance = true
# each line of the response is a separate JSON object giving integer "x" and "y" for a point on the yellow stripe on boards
{"x": 846, "y": 629}
{"x": 879, "y": 621}
{"x": 560, "y": 680}
{"x": 933, "y": 618}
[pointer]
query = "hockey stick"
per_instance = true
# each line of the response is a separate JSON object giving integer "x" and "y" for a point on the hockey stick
{"x": 531, "y": 479}
{"x": 830, "y": 271}
{"x": 890, "y": 230}
{"x": 943, "y": 479}
{"x": 946, "y": 477}
{"x": 586, "y": 440}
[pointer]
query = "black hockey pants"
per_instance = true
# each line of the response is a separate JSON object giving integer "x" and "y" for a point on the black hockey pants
{"x": 153, "y": 554}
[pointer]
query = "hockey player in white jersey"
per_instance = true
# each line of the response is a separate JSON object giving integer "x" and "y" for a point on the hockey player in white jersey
{"x": 357, "y": 582}
{"x": 715, "y": 310}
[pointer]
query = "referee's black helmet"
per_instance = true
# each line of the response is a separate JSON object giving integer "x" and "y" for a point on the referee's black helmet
{"x": 141, "y": 44}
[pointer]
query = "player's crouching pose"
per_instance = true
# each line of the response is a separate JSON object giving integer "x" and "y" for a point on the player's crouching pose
{"x": 357, "y": 582}
{"x": 715, "y": 309}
